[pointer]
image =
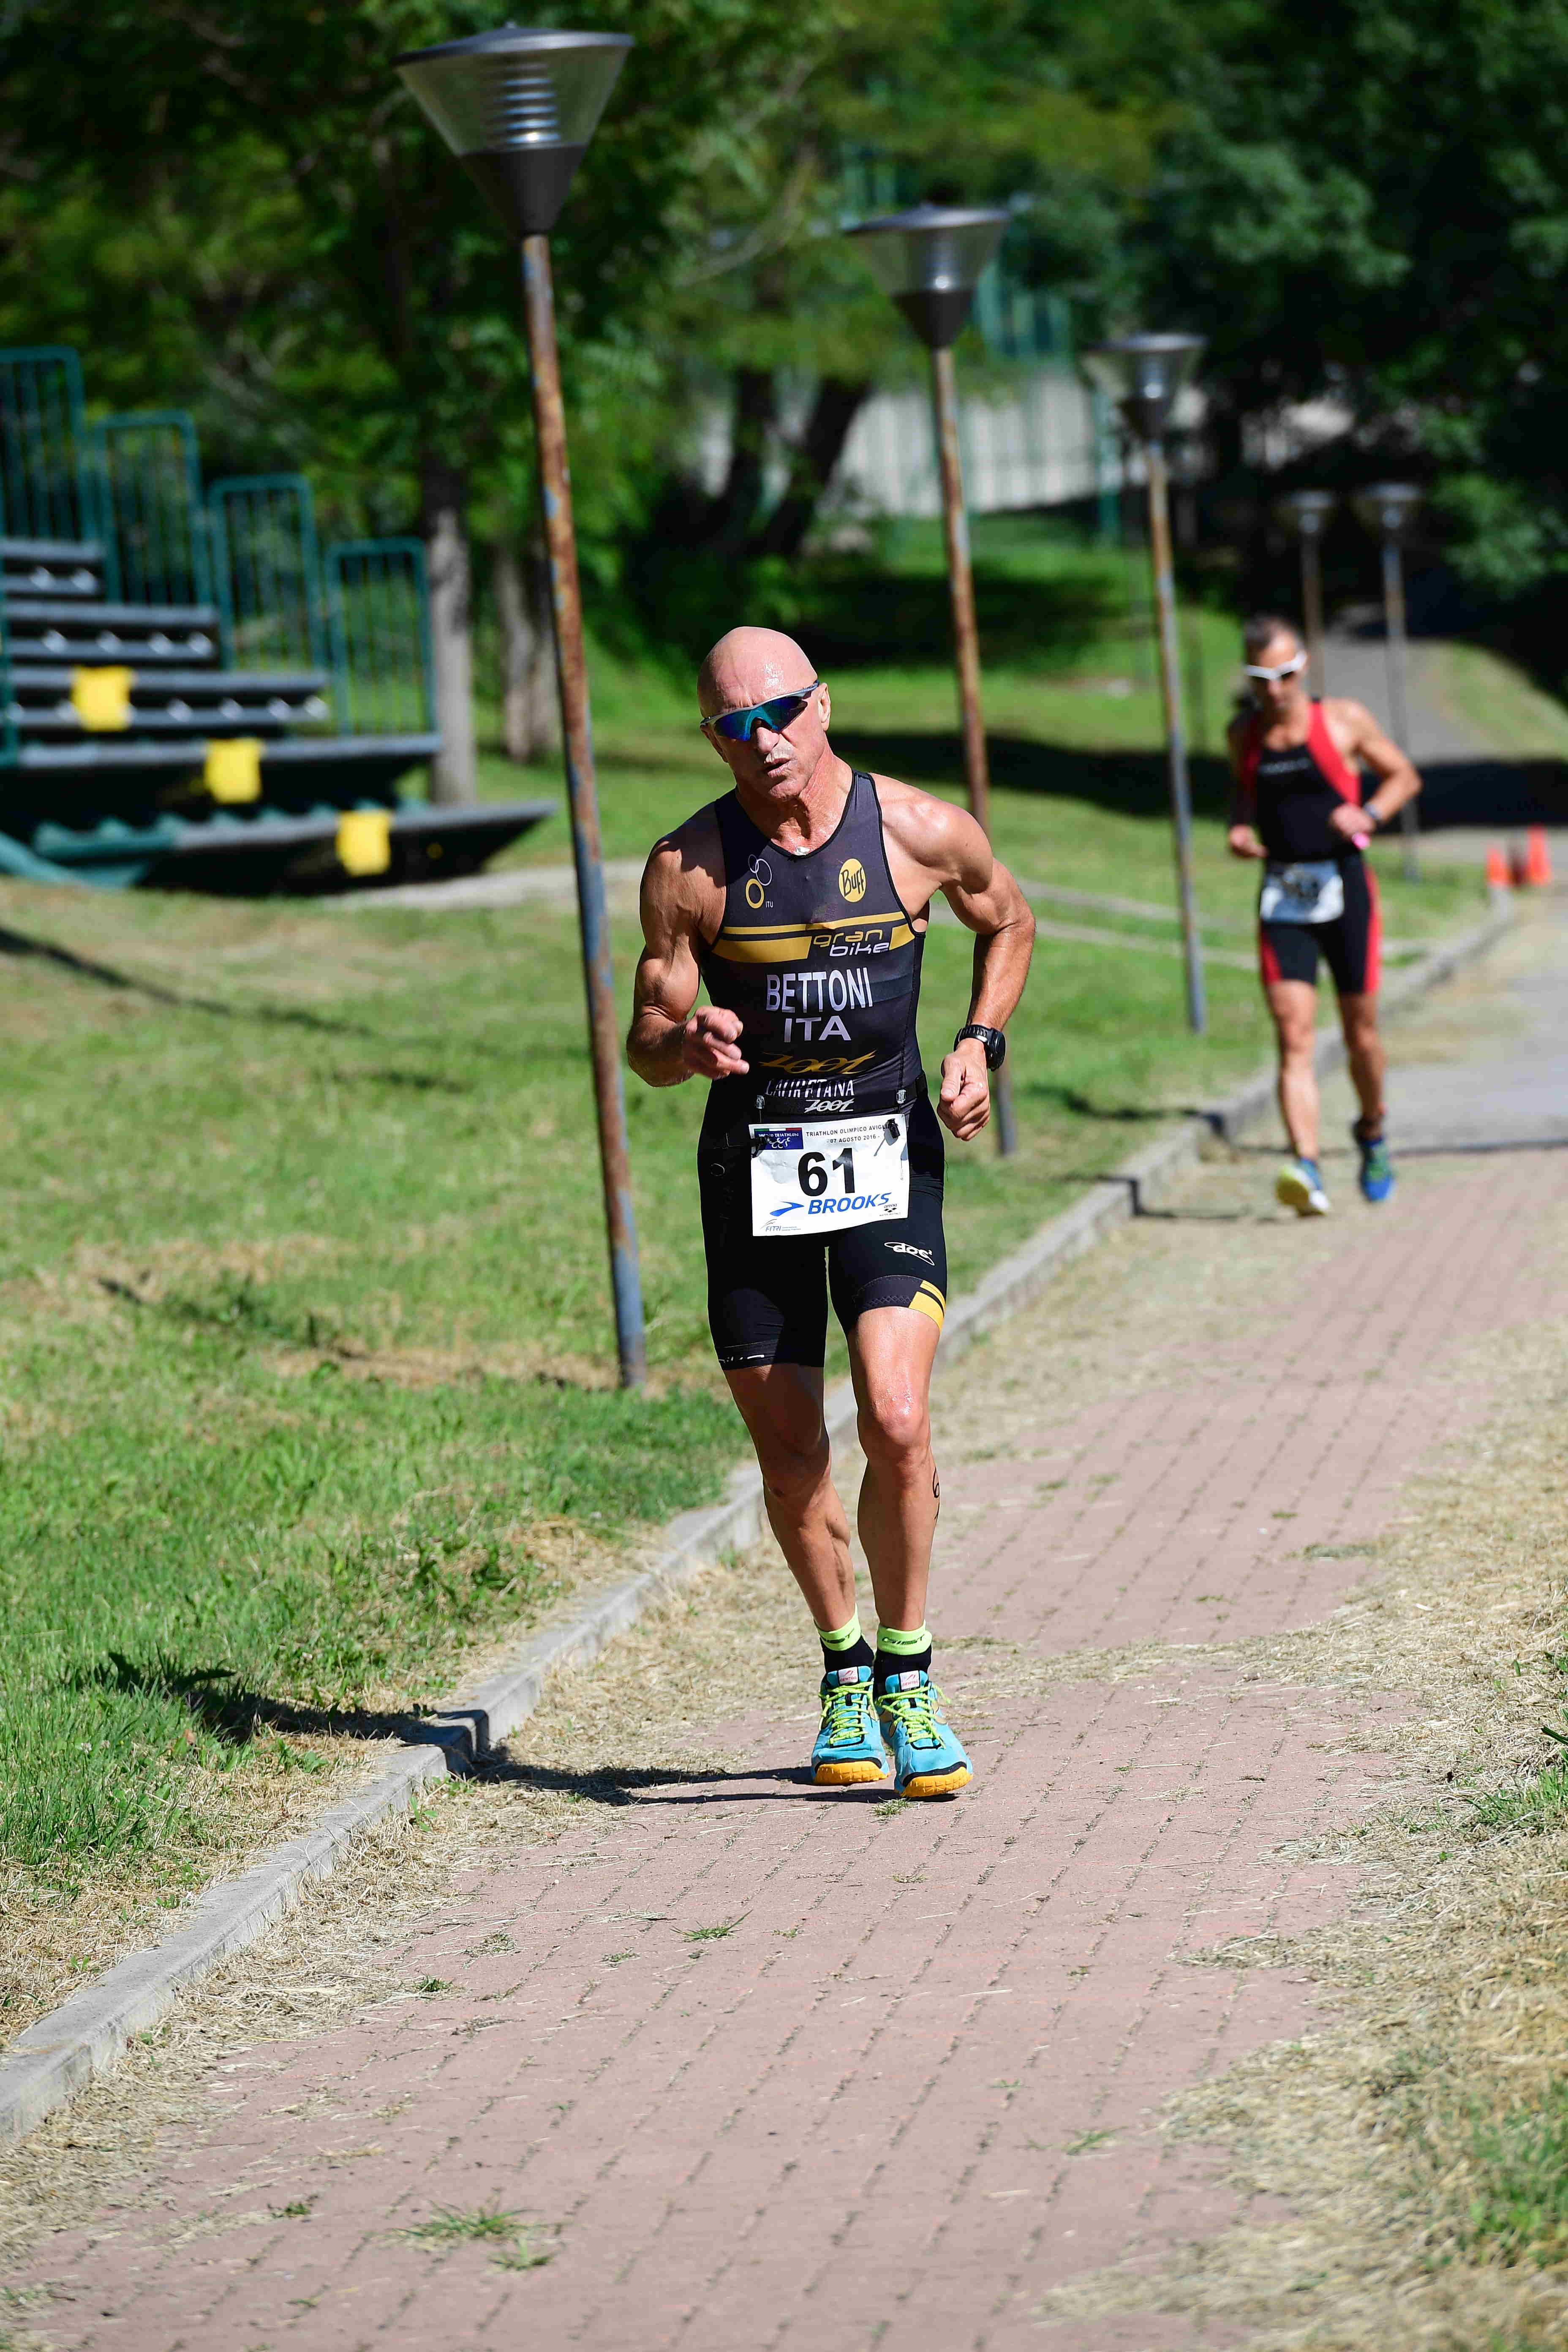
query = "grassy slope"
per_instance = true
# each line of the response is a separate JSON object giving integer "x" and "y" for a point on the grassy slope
{"x": 303, "y": 1292}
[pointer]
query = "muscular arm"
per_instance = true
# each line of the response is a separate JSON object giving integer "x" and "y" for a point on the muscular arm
{"x": 1242, "y": 838}
{"x": 1362, "y": 740}
{"x": 954, "y": 855}
{"x": 668, "y": 1042}
{"x": 988, "y": 902}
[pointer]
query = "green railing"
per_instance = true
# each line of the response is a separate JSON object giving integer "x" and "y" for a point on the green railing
{"x": 378, "y": 617}
{"x": 46, "y": 477}
{"x": 267, "y": 572}
{"x": 132, "y": 483}
{"x": 7, "y": 717}
{"x": 155, "y": 527}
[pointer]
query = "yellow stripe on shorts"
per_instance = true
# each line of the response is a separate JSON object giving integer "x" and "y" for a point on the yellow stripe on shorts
{"x": 929, "y": 1300}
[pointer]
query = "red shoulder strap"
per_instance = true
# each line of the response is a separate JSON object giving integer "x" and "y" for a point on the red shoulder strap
{"x": 1336, "y": 769}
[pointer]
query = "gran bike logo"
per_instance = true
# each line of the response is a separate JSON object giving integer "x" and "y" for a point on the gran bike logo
{"x": 852, "y": 880}
{"x": 757, "y": 881}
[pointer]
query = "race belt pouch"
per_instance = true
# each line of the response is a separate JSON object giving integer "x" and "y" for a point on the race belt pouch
{"x": 1312, "y": 891}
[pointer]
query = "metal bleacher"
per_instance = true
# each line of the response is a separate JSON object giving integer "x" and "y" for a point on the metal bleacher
{"x": 194, "y": 694}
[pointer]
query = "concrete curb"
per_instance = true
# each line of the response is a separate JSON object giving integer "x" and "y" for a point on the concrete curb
{"x": 80, "y": 2041}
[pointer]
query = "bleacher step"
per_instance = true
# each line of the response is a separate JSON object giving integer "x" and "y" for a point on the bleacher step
{"x": 113, "y": 616}
{"x": 51, "y": 551}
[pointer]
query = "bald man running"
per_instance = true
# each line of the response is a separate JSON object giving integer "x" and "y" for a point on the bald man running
{"x": 800, "y": 900}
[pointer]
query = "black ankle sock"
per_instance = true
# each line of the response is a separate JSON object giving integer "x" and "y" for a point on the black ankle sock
{"x": 859, "y": 1655}
{"x": 892, "y": 1662}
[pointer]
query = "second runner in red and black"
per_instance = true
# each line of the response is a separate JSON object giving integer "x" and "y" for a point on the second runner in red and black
{"x": 1299, "y": 809}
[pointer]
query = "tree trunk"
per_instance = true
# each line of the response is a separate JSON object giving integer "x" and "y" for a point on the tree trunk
{"x": 734, "y": 510}
{"x": 837, "y": 404}
{"x": 445, "y": 498}
{"x": 529, "y": 715}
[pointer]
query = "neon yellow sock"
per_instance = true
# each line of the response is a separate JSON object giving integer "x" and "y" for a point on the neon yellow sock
{"x": 895, "y": 1644}
{"x": 842, "y": 1637}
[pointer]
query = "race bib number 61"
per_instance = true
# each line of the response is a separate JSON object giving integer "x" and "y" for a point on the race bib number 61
{"x": 827, "y": 1175}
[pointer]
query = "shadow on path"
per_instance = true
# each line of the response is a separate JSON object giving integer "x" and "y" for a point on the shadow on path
{"x": 638, "y": 1784}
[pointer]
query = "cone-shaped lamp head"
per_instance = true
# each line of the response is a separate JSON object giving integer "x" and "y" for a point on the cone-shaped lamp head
{"x": 518, "y": 107}
{"x": 1144, "y": 374}
{"x": 1307, "y": 512}
{"x": 930, "y": 259}
{"x": 1388, "y": 510}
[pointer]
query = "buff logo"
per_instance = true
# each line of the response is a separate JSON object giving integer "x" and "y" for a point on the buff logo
{"x": 852, "y": 880}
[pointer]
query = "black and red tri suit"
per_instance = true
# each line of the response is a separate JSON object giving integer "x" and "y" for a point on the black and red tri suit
{"x": 1288, "y": 796}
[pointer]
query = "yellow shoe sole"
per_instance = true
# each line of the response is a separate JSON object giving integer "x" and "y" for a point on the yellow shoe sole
{"x": 843, "y": 1776}
{"x": 937, "y": 1784}
{"x": 1292, "y": 1190}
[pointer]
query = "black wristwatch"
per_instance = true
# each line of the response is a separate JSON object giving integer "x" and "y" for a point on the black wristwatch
{"x": 993, "y": 1040}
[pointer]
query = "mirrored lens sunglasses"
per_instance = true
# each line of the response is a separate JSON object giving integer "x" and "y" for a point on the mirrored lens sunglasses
{"x": 775, "y": 715}
{"x": 1280, "y": 669}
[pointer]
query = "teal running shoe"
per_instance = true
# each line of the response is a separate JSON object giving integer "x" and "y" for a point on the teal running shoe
{"x": 849, "y": 1744}
{"x": 1376, "y": 1166}
{"x": 928, "y": 1755}
{"x": 1300, "y": 1185}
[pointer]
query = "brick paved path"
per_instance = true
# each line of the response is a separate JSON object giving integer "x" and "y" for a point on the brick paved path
{"x": 914, "y": 2086}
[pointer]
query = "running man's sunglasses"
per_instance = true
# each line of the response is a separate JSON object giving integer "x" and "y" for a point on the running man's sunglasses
{"x": 1281, "y": 669}
{"x": 781, "y": 711}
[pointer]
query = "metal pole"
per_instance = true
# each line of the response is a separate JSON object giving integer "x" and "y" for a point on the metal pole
{"x": 1171, "y": 686}
{"x": 577, "y": 740}
{"x": 1312, "y": 603}
{"x": 967, "y": 657}
{"x": 1393, "y": 642}
{"x": 1105, "y": 465}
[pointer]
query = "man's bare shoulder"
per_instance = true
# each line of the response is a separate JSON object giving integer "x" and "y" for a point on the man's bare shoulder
{"x": 1348, "y": 720}
{"x": 921, "y": 823}
{"x": 689, "y": 862}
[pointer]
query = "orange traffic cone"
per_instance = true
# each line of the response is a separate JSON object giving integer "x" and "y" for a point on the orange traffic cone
{"x": 1496, "y": 869}
{"x": 1538, "y": 863}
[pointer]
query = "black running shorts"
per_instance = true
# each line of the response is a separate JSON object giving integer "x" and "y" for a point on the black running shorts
{"x": 767, "y": 1300}
{"x": 1350, "y": 946}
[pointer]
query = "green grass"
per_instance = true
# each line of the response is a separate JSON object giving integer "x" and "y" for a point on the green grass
{"x": 483, "y": 2225}
{"x": 308, "y": 1362}
{"x": 1518, "y": 2212}
{"x": 1496, "y": 699}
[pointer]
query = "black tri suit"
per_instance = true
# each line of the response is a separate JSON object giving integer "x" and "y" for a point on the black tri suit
{"x": 822, "y": 962}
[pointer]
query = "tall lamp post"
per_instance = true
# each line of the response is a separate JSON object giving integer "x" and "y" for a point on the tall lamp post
{"x": 1305, "y": 514}
{"x": 518, "y": 110}
{"x": 1386, "y": 512}
{"x": 1144, "y": 374}
{"x": 930, "y": 259}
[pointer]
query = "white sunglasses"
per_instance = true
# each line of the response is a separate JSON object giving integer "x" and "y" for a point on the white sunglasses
{"x": 1281, "y": 669}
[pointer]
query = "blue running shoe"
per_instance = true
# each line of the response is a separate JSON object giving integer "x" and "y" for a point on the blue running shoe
{"x": 1376, "y": 1166}
{"x": 849, "y": 1744}
{"x": 1300, "y": 1185}
{"x": 927, "y": 1757}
